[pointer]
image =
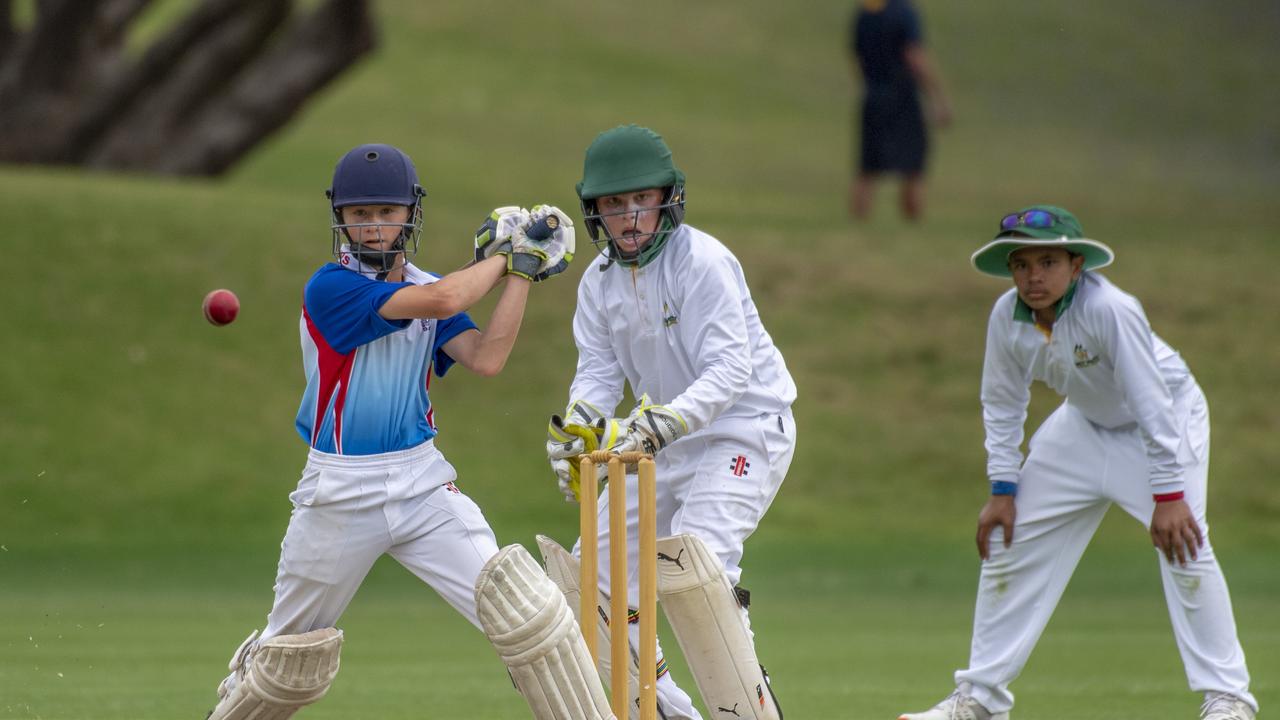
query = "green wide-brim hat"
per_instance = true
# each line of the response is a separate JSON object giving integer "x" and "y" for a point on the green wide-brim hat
{"x": 1065, "y": 232}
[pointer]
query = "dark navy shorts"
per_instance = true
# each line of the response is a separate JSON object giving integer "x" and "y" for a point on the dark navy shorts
{"x": 893, "y": 135}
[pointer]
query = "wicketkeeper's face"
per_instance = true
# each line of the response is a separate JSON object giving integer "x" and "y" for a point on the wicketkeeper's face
{"x": 375, "y": 226}
{"x": 631, "y": 218}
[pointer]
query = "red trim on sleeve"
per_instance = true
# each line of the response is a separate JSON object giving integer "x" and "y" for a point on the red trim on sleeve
{"x": 1168, "y": 497}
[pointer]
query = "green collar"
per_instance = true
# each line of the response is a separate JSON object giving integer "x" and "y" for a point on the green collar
{"x": 1022, "y": 311}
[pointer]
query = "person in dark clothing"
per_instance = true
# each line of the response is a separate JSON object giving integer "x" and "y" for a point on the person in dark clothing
{"x": 887, "y": 52}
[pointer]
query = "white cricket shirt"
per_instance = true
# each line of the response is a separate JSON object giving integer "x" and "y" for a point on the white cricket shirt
{"x": 1103, "y": 357}
{"x": 683, "y": 329}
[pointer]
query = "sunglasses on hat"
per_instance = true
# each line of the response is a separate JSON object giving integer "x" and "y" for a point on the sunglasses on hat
{"x": 1030, "y": 218}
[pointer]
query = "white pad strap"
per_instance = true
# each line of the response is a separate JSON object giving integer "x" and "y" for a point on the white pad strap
{"x": 530, "y": 624}
{"x": 563, "y": 569}
{"x": 703, "y": 612}
{"x": 272, "y": 679}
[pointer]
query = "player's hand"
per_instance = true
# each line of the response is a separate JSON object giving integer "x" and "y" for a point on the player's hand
{"x": 560, "y": 247}
{"x": 999, "y": 510}
{"x": 566, "y": 470}
{"x": 566, "y": 441}
{"x": 1174, "y": 531}
{"x": 525, "y": 255}
{"x": 496, "y": 231}
{"x": 941, "y": 113}
{"x": 649, "y": 428}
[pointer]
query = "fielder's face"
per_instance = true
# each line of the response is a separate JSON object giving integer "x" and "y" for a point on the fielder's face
{"x": 375, "y": 226}
{"x": 1042, "y": 275}
{"x": 631, "y": 218}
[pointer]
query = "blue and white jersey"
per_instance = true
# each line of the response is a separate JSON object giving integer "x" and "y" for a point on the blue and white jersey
{"x": 367, "y": 377}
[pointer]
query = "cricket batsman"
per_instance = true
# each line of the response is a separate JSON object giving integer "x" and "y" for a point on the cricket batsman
{"x": 666, "y": 309}
{"x": 1133, "y": 431}
{"x": 374, "y": 328}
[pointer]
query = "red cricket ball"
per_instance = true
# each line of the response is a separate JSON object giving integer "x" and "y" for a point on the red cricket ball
{"x": 221, "y": 307}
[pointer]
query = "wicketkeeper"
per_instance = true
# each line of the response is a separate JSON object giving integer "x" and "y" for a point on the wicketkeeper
{"x": 1133, "y": 431}
{"x": 666, "y": 310}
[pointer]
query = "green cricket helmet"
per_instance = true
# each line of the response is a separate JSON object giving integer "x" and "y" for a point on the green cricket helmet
{"x": 626, "y": 159}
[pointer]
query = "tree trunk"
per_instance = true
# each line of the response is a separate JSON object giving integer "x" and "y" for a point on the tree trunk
{"x": 198, "y": 99}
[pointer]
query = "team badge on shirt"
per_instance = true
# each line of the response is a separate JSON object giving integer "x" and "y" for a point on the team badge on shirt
{"x": 668, "y": 318}
{"x": 1082, "y": 358}
{"x": 739, "y": 465}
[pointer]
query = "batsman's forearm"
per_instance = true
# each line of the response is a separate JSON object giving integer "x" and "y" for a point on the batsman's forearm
{"x": 469, "y": 285}
{"x": 504, "y": 326}
{"x": 448, "y": 296}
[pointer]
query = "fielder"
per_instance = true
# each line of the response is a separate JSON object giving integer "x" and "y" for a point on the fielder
{"x": 1133, "y": 430}
{"x": 666, "y": 309}
{"x": 374, "y": 328}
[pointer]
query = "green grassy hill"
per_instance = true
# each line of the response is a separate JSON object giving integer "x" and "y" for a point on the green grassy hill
{"x": 136, "y": 438}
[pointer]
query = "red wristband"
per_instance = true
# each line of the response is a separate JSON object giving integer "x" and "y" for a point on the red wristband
{"x": 1168, "y": 497}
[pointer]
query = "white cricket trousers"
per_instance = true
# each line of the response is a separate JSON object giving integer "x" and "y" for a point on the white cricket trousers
{"x": 349, "y": 510}
{"x": 716, "y": 484}
{"x": 1074, "y": 471}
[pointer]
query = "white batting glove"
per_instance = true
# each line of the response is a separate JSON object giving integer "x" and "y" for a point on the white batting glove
{"x": 560, "y": 247}
{"x": 496, "y": 231}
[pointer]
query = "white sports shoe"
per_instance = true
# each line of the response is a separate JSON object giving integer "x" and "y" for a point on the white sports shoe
{"x": 1224, "y": 706}
{"x": 958, "y": 706}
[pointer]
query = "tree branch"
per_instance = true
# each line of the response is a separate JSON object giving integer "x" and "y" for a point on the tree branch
{"x": 8, "y": 36}
{"x": 224, "y": 77}
{"x": 177, "y": 91}
{"x": 314, "y": 52}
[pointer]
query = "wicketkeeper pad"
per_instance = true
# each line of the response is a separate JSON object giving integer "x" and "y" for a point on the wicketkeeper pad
{"x": 273, "y": 679}
{"x": 530, "y": 624}
{"x": 563, "y": 569}
{"x": 703, "y": 612}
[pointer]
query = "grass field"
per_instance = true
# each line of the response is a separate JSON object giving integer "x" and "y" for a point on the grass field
{"x": 145, "y": 457}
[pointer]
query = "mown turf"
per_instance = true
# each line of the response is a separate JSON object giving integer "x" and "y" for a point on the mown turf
{"x": 862, "y": 631}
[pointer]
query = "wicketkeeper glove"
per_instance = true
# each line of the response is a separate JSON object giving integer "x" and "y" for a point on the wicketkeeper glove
{"x": 566, "y": 441}
{"x": 649, "y": 428}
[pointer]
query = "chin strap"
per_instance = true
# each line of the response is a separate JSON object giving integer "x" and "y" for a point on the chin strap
{"x": 382, "y": 261}
{"x": 378, "y": 263}
{"x": 369, "y": 262}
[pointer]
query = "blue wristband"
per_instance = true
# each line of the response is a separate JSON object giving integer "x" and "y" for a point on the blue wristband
{"x": 1003, "y": 487}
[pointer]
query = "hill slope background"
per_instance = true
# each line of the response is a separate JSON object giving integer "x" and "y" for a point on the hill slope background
{"x": 144, "y": 449}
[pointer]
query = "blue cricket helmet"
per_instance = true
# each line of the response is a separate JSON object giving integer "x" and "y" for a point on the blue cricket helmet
{"x": 376, "y": 174}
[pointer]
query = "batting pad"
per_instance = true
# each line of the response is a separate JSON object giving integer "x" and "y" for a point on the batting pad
{"x": 273, "y": 679}
{"x": 563, "y": 569}
{"x": 703, "y": 612}
{"x": 526, "y": 618}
